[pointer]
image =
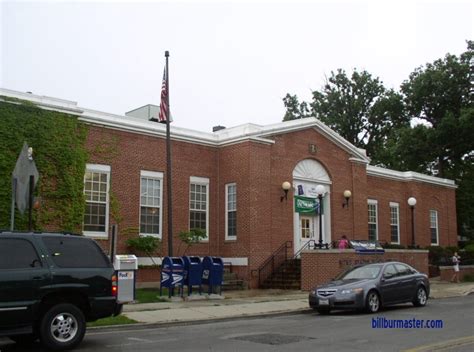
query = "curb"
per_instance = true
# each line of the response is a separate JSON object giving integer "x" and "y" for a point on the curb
{"x": 138, "y": 326}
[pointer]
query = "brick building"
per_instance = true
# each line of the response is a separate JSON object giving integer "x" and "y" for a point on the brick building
{"x": 230, "y": 183}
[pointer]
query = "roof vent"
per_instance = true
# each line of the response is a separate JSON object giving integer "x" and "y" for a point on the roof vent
{"x": 218, "y": 128}
{"x": 147, "y": 112}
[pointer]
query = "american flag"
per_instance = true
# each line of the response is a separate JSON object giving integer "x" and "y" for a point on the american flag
{"x": 163, "y": 117}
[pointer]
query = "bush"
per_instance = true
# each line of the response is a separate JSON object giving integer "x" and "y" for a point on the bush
{"x": 144, "y": 244}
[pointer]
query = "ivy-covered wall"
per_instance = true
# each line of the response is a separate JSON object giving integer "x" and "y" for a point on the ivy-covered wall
{"x": 58, "y": 142}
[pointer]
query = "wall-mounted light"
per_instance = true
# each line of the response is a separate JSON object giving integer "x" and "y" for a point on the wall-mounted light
{"x": 285, "y": 186}
{"x": 347, "y": 196}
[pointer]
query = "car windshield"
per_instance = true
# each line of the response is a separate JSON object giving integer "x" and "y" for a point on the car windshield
{"x": 364, "y": 272}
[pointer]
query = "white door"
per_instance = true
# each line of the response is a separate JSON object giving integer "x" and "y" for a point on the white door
{"x": 306, "y": 230}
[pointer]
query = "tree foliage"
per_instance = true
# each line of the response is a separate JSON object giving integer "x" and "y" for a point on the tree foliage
{"x": 358, "y": 107}
{"x": 440, "y": 94}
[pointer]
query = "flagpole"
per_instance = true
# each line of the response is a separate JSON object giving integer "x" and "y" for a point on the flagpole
{"x": 168, "y": 164}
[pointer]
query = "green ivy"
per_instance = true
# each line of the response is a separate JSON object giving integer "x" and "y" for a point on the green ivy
{"x": 58, "y": 142}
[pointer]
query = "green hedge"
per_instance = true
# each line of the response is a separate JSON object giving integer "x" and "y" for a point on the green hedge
{"x": 58, "y": 142}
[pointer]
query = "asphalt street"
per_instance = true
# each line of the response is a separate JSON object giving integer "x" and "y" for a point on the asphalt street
{"x": 308, "y": 331}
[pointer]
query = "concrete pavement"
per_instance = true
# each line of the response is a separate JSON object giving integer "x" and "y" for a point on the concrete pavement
{"x": 233, "y": 304}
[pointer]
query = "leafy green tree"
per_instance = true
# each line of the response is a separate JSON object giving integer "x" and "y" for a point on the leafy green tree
{"x": 191, "y": 237}
{"x": 440, "y": 95}
{"x": 145, "y": 244}
{"x": 358, "y": 107}
{"x": 294, "y": 109}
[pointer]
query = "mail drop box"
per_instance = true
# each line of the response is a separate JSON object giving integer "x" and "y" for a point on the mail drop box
{"x": 126, "y": 266}
{"x": 192, "y": 272}
{"x": 172, "y": 274}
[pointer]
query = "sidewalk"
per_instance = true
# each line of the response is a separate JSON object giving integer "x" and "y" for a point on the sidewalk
{"x": 234, "y": 304}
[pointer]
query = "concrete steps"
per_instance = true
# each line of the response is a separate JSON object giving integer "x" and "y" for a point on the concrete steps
{"x": 287, "y": 276}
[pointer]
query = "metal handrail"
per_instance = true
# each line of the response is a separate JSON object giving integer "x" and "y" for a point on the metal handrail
{"x": 271, "y": 261}
{"x": 307, "y": 245}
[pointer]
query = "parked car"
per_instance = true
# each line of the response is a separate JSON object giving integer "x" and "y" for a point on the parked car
{"x": 368, "y": 287}
{"x": 51, "y": 285}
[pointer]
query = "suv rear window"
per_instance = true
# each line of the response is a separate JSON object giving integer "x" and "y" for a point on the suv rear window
{"x": 69, "y": 252}
{"x": 17, "y": 253}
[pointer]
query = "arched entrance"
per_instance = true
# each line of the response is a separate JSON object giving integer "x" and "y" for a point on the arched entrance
{"x": 307, "y": 175}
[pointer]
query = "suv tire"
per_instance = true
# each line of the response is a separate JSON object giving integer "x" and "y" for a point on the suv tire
{"x": 62, "y": 327}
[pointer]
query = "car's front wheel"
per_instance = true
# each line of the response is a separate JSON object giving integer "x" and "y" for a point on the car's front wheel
{"x": 421, "y": 297}
{"x": 62, "y": 327}
{"x": 372, "y": 302}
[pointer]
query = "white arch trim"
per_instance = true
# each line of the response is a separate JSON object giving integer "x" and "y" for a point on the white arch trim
{"x": 311, "y": 170}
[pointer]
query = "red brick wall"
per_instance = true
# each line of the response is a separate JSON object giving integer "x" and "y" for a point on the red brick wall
{"x": 429, "y": 197}
{"x": 259, "y": 169}
{"x": 320, "y": 266}
{"x": 128, "y": 154}
{"x": 446, "y": 272}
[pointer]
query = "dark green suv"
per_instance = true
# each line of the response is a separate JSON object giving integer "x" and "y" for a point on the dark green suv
{"x": 52, "y": 284}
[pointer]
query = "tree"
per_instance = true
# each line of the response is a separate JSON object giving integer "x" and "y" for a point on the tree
{"x": 441, "y": 96}
{"x": 358, "y": 107}
{"x": 191, "y": 237}
{"x": 294, "y": 110}
{"x": 146, "y": 244}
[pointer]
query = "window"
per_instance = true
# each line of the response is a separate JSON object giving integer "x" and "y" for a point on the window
{"x": 231, "y": 211}
{"x": 69, "y": 252}
{"x": 17, "y": 254}
{"x": 151, "y": 196}
{"x": 390, "y": 271}
{"x": 404, "y": 270}
{"x": 96, "y": 191}
{"x": 394, "y": 223}
{"x": 434, "y": 226}
{"x": 372, "y": 206}
{"x": 198, "y": 204}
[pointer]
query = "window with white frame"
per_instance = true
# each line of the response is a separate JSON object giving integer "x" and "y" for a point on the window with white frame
{"x": 373, "y": 228}
{"x": 199, "y": 203}
{"x": 96, "y": 192}
{"x": 231, "y": 211}
{"x": 151, "y": 195}
{"x": 395, "y": 223}
{"x": 434, "y": 227}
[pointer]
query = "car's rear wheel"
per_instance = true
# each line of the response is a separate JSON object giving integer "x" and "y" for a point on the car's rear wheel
{"x": 323, "y": 311}
{"x": 421, "y": 297}
{"x": 62, "y": 327}
{"x": 372, "y": 302}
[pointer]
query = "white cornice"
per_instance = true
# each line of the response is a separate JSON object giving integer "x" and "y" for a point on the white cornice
{"x": 247, "y": 132}
{"x": 406, "y": 176}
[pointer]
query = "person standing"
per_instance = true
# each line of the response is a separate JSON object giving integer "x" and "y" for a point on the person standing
{"x": 456, "y": 260}
{"x": 343, "y": 242}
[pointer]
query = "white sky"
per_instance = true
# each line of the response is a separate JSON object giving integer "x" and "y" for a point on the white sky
{"x": 230, "y": 62}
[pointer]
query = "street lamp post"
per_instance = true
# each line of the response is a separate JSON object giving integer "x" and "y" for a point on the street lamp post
{"x": 412, "y": 203}
{"x": 320, "y": 192}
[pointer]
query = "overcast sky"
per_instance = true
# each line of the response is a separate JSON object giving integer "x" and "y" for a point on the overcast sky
{"x": 230, "y": 62}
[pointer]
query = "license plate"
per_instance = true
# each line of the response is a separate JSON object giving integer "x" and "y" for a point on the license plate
{"x": 323, "y": 302}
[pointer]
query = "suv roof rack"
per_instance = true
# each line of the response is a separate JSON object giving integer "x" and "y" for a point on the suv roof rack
{"x": 65, "y": 233}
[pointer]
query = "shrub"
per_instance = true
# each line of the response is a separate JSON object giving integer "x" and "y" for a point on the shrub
{"x": 145, "y": 244}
